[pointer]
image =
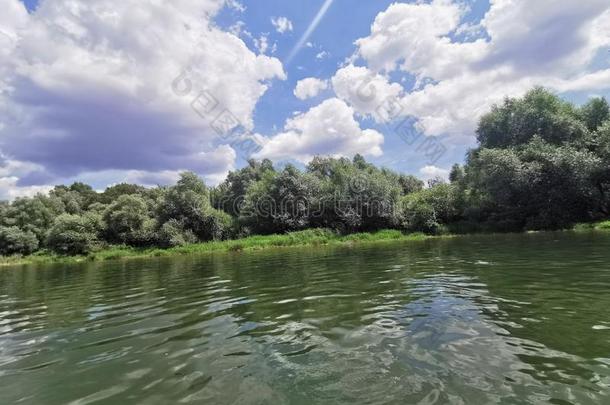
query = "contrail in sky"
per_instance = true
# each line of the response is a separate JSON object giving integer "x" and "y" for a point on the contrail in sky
{"x": 312, "y": 26}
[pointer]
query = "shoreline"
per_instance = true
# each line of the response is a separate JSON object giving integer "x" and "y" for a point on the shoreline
{"x": 307, "y": 238}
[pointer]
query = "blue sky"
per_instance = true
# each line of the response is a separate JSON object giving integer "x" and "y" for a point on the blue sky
{"x": 89, "y": 86}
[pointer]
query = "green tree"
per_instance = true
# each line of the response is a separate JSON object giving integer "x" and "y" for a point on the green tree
{"x": 431, "y": 208}
{"x": 280, "y": 202}
{"x": 172, "y": 234}
{"x": 112, "y": 193}
{"x": 15, "y": 241}
{"x": 188, "y": 202}
{"x": 34, "y": 214}
{"x": 74, "y": 234}
{"x": 229, "y": 195}
{"x": 539, "y": 112}
{"x": 127, "y": 220}
{"x": 595, "y": 113}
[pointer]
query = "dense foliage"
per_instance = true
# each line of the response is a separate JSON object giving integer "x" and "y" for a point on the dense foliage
{"x": 542, "y": 163}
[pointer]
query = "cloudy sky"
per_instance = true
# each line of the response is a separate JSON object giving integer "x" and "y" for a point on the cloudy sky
{"x": 105, "y": 91}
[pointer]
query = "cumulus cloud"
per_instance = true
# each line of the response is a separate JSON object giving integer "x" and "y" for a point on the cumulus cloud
{"x": 433, "y": 172}
{"x": 90, "y": 86}
{"x": 517, "y": 45}
{"x": 365, "y": 90}
{"x": 281, "y": 24}
{"x": 327, "y": 129}
{"x": 309, "y": 87}
{"x": 414, "y": 38}
{"x": 10, "y": 191}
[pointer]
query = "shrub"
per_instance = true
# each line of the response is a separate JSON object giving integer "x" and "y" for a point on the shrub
{"x": 418, "y": 214}
{"x": 127, "y": 221}
{"x": 172, "y": 234}
{"x": 74, "y": 234}
{"x": 219, "y": 224}
{"x": 16, "y": 241}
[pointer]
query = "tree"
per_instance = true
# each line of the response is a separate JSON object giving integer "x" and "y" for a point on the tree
{"x": 15, "y": 241}
{"x": 355, "y": 195}
{"x": 539, "y": 112}
{"x": 595, "y": 112}
{"x": 74, "y": 234}
{"x": 538, "y": 166}
{"x": 230, "y": 194}
{"x": 34, "y": 214}
{"x": 280, "y": 202}
{"x": 456, "y": 175}
{"x": 127, "y": 221}
{"x": 172, "y": 234}
{"x": 112, "y": 193}
{"x": 188, "y": 202}
{"x": 429, "y": 209}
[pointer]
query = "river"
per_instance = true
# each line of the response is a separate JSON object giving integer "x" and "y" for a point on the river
{"x": 514, "y": 319}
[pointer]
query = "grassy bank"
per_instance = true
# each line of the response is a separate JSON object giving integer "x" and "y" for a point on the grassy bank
{"x": 595, "y": 226}
{"x": 311, "y": 237}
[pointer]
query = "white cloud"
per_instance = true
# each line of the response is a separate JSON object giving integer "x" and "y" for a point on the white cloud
{"x": 599, "y": 81}
{"x": 414, "y": 38}
{"x": 327, "y": 129}
{"x": 236, "y": 5}
{"x": 365, "y": 91}
{"x": 88, "y": 87}
{"x": 9, "y": 190}
{"x": 281, "y": 24}
{"x": 322, "y": 55}
{"x": 262, "y": 44}
{"x": 548, "y": 42}
{"x": 309, "y": 87}
{"x": 433, "y": 172}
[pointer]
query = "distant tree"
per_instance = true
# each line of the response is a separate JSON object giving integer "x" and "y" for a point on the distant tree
{"x": 280, "y": 202}
{"x": 15, "y": 241}
{"x": 429, "y": 209}
{"x": 34, "y": 214}
{"x": 188, "y": 202}
{"x": 356, "y": 196}
{"x": 456, "y": 175}
{"x": 87, "y": 193}
{"x": 539, "y": 113}
{"x": 229, "y": 195}
{"x": 172, "y": 234}
{"x": 113, "y": 192}
{"x": 74, "y": 234}
{"x": 410, "y": 184}
{"x": 127, "y": 221}
{"x": 595, "y": 113}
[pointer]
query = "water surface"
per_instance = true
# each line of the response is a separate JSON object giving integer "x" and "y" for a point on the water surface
{"x": 490, "y": 319}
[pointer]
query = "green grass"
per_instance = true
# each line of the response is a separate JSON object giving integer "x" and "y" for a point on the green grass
{"x": 310, "y": 237}
{"x": 596, "y": 226}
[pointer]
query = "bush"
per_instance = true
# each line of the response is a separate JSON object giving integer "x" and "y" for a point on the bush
{"x": 418, "y": 215}
{"x": 127, "y": 221}
{"x": 427, "y": 210}
{"x": 173, "y": 233}
{"x": 16, "y": 241}
{"x": 219, "y": 224}
{"x": 74, "y": 234}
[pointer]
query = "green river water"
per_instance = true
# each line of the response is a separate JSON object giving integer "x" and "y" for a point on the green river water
{"x": 511, "y": 319}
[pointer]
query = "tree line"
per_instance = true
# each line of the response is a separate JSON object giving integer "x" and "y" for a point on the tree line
{"x": 541, "y": 163}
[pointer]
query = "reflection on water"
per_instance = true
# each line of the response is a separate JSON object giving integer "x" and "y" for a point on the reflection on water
{"x": 510, "y": 319}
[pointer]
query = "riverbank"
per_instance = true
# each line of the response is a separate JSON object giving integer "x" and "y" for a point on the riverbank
{"x": 310, "y": 237}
